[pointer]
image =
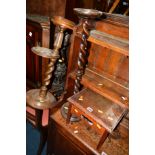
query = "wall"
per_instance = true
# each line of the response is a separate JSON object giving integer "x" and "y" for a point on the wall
{"x": 63, "y": 7}
{"x": 46, "y": 7}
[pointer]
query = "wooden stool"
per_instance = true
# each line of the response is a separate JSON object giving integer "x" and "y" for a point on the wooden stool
{"x": 102, "y": 114}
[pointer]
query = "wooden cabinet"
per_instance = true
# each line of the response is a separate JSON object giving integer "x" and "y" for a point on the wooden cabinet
{"x": 37, "y": 33}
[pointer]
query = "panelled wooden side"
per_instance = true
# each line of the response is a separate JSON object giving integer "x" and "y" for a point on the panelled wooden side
{"x": 110, "y": 62}
{"x": 106, "y": 60}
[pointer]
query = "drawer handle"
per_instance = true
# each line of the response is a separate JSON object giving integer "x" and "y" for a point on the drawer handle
{"x": 30, "y": 34}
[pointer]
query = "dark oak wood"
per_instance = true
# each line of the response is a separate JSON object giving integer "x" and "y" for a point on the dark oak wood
{"x": 40, "y": 100}
{"x": 86, "y": 16}
{"x": 46, "y": 7}
{"x": 102, "y": 85}
{"x": 103, "y": 114}
{"x": 97, "y": 109}
{"x": 113, "y": 25}
{"x": 106, "y": 74}
{"x": 65, "y": 7}
{"x": 104, "y": 66}
{"x": 107, "y": 69}
{"x": 37, "y": 33}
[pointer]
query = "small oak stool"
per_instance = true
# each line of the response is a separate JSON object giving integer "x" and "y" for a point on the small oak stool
{"x": 101, "y": 114}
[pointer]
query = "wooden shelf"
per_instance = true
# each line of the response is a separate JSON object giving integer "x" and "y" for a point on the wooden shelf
{"x": 105, "y": 87}
{"x": 109, "y": 41}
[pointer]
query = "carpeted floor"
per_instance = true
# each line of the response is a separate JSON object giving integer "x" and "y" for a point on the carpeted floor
{"x": 32, "y": 140}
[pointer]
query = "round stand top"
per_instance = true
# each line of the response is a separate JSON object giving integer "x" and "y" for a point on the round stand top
{"x": 88, "y": 13}
{"x": 33, "y": 99}
{"x": 43, "y": 52}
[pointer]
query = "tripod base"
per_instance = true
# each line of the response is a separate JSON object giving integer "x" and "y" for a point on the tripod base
{"x": 34, "y": 100}
{"x": 64, "y": 111}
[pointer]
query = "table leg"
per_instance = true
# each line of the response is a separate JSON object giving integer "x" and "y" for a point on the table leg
{"x": 102, "y": 139}
{"x": 69, "y": 113}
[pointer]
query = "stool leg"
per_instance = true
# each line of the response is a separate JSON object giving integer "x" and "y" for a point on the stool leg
{"x": 69, "y": 113}
{"x": 104, "y": 136}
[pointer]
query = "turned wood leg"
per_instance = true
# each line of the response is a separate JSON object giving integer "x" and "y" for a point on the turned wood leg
{"x": 69, "y": 113}
{"x": 83, "y": 56}
{"x": 104, "y": 136}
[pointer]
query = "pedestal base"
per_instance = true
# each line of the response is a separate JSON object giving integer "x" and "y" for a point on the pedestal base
{"x": 64, "y": 112}
{"x": 33, "y": 99}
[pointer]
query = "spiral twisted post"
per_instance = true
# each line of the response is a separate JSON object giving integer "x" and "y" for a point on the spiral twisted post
{"x": 85, "y": 24}
{"x": 86, "y": 16}
{"x": 53, "y": 59}
{"x": 82, "y": 59}
{"x": 41, "y": 98}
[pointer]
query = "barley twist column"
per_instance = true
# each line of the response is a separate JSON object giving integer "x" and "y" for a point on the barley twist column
{"x": 53, "y": 59}
{"x": 41, "y": 98}
{"x": 82, "y": 59}
{"x": 86, "y": 17}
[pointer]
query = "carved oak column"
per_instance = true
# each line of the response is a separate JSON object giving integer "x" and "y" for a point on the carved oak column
{"x": 86, "y": 22}
{"x": 86, "y": 17}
